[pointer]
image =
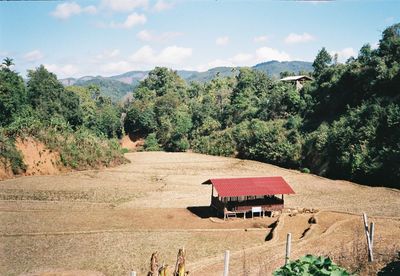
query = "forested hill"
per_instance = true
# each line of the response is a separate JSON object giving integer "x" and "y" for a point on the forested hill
{"x": 116, "y": 87}
{"x": 345, "y": 124}
{"x": 275, "y": 68}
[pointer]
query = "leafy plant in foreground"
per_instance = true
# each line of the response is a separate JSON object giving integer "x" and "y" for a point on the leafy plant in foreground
{"x": 311, "y": 265}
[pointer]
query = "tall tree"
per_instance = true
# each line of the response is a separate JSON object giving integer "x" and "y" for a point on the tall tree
{"x": 322, "y": 60}
{"x": 12, "y": 93}
{"x": 389, "y": 45}
{"x": 8, "y": 62}
{"x": 48, "y": 96}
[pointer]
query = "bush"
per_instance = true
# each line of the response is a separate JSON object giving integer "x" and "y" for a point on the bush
{"x": 124, "y": 150}
{"x": 151, "y": 143}
{"x": 83, "y": 149}
{"x": 269, "y": 142}
{"x": 218, "y": 143}
{"x": 311, "y": 265}
{"x": 305, "y": 170}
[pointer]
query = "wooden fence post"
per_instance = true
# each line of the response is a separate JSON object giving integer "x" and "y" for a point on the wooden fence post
{"x": 226, "y": 263}
{"x": 367, "y": 234}
{"x": 371, "y": 234}
{"x": 288, "y": 247}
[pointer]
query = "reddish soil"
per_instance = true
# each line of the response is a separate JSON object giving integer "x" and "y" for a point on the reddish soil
{"x": 5, "y": 172}
{"x": 38, "y": 159}
{"x": 131, "y": 143}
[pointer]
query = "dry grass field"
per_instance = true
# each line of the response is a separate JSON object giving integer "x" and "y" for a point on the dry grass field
{"x": 109, "y": 222}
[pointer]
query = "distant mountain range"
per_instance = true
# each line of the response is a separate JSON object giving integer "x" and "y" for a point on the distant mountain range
{"x": 119, "y": 86}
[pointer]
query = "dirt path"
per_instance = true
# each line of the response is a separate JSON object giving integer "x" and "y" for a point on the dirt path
{"x": 111, "y": 221}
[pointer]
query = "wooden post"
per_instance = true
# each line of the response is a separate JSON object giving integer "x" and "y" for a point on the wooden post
{"x": 226, "y": 263}
{"x": 367, "y": 234}
{"x": 288, "y": 247}
{"x": 371, "y": 234}
{"x": 133, "y": 273}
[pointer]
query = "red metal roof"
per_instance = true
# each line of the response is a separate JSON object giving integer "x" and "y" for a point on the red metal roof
{"x": 250, "y": 186}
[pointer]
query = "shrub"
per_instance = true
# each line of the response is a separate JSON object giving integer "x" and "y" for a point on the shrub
{"x": 311, "y": 265}
{"x": 305, "y": 170}
{"x": 218, "y": 143}
{"x": 151, "y": 143}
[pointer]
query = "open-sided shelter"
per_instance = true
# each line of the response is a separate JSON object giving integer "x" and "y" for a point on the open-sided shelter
{"x": 297, "y": 80}
{"x": 230, "y": 196}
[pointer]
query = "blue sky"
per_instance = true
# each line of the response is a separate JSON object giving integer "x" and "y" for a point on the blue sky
{"x": 108, "y": 37}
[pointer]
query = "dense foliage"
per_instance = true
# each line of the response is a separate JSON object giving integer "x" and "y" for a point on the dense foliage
{"x": 311, "y": 265}
{"x": 76, "y": 122}
{"x": 343, "y": 124}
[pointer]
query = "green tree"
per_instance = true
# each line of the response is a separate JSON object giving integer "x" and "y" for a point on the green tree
{"x": 322, "y": 60}
{"x": 389, "y": 45}
{"x": 12, "y": 93}
{"x": 151, "y": 143}
{"x": 250, "y": 87}
{"x": 8, "y": 62}
{"x": 161, "y": 80}
{"x": 48, "y": 96}
{"x": 269, "y": 142}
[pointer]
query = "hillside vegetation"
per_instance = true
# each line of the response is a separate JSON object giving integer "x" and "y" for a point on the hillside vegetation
{"x": 344, "y": 124}
{"x": 76, "y": 122}
{"x": 116, "y": 87}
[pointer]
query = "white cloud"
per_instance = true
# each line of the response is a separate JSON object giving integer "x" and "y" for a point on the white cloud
{"x": 299, "y": 38}
{"x": 132, "y": 20}
{"x": 266, "y": 53}
{"x": 389, "y": 20}
{"x": 90, "y": 9}
{"x": 68, "y": 9}
{"x": 217, "y": 63}
{"x": 344, "y": 54}
{"x": 145, "y": 35}
{"x": 261, "y": 38}
{"x": 162, "y": 5}
{"x": 148, "y": 36}
{"x": 34, "y": 55}
{"x": 124, "y": 5}
{"x": 117, "y": 67}
{"x": 67, "y": 70}
{"x": 107, "y": 54}
{"x": 172, "y": 55}
{"x": 144, "y": 55}
{"x": 222, "y": 41}
{"x": 248, "y": 59}
{"x": 315, "y": 2}
{"x": 241, "y": 58}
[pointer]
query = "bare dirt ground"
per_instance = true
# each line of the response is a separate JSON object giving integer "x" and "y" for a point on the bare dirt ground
{"x": 38, "y": 159}
{"x": 109, "y": 222}
{"x": 131, "y": 143}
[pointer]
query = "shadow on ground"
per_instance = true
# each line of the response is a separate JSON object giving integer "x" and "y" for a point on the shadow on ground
{"x": 203, "y": 211}
{"x": 391, "y": 269}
